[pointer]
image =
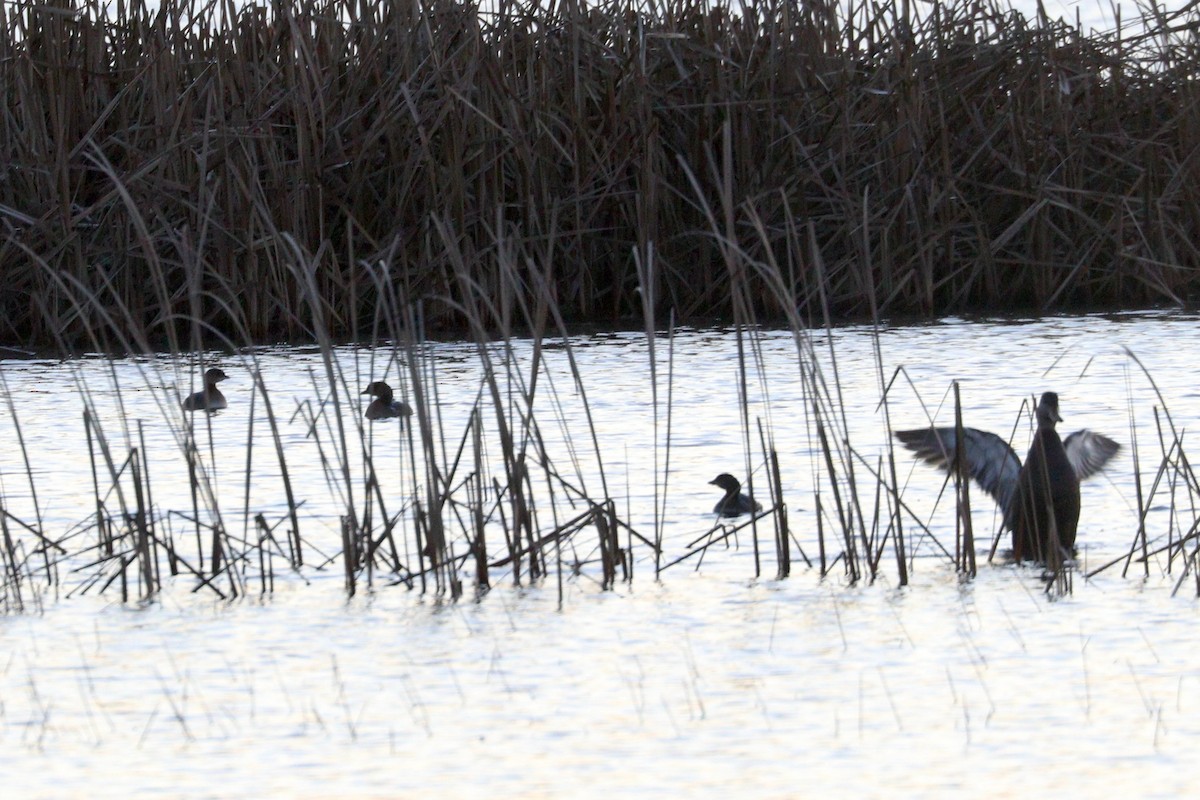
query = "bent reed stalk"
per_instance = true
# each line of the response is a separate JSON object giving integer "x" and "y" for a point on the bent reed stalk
{"x": 959, "y": 157}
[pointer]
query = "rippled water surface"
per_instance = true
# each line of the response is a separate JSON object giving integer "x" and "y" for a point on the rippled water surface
{"x": 707, "y": 682}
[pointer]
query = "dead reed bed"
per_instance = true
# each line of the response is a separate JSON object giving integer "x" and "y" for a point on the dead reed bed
{"x": 957, "y": 156}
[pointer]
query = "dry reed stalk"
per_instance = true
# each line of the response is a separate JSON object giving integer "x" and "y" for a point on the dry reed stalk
{"x": 647, "y": 276}
{"x": 11, "y": 568}
{"x": 965, "y": 538}
{"x": 783, "y": 550}
{"x": 479, "y": 540}
{"x": 146, "y": 561}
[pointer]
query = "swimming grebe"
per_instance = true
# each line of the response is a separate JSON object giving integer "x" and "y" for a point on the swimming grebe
{"x": 209, "y": 398}
{"x": 1049, "y": 480}
{"x": 383, "y": 406}
{"x": 734, "y": 502}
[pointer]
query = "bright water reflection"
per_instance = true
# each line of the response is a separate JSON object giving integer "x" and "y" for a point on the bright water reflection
{"x": 708, "y": 682}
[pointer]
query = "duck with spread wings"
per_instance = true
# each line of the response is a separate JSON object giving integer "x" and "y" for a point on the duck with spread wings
{"x": 1040, "y": 498}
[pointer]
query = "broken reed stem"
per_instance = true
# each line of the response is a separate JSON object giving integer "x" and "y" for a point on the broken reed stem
{"x": 744, "y": 406}
{"x": 1171, "y": 476}
{"x": 294, "y": 540}
{"x": 11, "y": 565}
{"x": 965, "y": 540}
{"x": 192, "y": 455}
{"x": 101, "y": 528}
{"x": 846, "y": 526}
{"x": 727, "y": 531}
{"x": 610, "y": 547}
{"x": 146, "y": 560}
{"x": 479, "y": 541}
{"x": 349, "y": 560}
{"x": 783, "y": 552}
{"x": 147, "y": 488}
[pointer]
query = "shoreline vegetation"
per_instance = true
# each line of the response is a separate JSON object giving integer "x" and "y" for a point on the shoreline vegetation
{"x": 208, "y": 177}
{"x": 168, "y": 169}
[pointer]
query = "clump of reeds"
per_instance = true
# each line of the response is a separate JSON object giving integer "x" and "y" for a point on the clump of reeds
{"x": 1176, "y": 547}
{"x": 964, "y": 156}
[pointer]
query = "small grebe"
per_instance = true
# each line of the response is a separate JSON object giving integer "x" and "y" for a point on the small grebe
{"x": 383, "y": 406}
{"x": 209, "y": 398}
{"x": 734, "y": 502}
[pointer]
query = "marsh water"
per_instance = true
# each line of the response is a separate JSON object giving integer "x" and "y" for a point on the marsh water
{"x": 704, "y": 681}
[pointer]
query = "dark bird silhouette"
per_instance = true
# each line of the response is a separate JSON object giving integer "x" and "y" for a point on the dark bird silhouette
{"x": 734, "y": 502}
{"x": 1040, "y": 500}
{"x": 384, "y": 406}
{"x": 209, "y": 398}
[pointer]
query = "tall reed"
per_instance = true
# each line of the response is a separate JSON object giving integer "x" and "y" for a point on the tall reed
{"x": 963, "y": 156}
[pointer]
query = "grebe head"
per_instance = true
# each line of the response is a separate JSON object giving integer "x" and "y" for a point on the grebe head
{"x": 730, "y": 484}
{"x": 379, "y": 389}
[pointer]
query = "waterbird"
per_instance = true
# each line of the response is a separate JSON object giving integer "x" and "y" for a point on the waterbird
{"x": 1039, "y": 500}
{"x": 384, "y": 406}
{"x": 734, "y": 502}
{"x": 209, "y": 398}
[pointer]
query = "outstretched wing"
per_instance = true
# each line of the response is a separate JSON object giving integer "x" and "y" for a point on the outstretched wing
{"x": 1088, "y": 452}
{"x": 989, "y": 459}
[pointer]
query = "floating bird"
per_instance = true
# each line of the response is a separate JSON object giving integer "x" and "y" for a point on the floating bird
{"x": 734, "y": 502}
{"x": 210, "y": 398}
{"x": 383, "y": 406}
{"x": 1040, "y": 500}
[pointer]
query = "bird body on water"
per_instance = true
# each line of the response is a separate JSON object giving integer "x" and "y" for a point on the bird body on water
{"x": 209, "y": 398}
{"x": 1040, "y": 499}
{"x": 734, "y": 503}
